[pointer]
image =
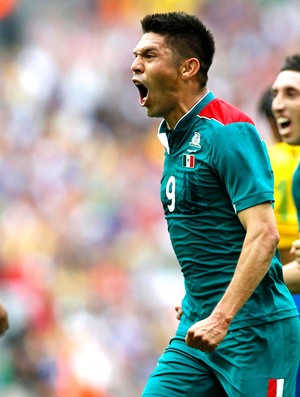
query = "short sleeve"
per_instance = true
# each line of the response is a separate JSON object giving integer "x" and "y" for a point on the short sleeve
{"x": 240, "y": 157}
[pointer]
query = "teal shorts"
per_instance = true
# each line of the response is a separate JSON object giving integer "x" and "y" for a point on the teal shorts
{"x": 260, "y": 361}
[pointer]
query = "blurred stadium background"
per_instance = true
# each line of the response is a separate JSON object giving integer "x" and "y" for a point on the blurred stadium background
{"x": 86, "y": 268}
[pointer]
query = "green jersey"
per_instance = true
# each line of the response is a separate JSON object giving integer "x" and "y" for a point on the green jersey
{"x": 216, "y": 164}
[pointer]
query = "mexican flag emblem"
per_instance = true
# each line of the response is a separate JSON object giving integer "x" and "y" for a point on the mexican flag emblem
{"x": 188, "y": 161}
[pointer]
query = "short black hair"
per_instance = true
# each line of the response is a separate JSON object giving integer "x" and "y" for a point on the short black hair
{"x": 264, "y": 107}
{"x": 186, "y": 34}
{"x": 265, "y": 103}
{"x": 291, "y": 62}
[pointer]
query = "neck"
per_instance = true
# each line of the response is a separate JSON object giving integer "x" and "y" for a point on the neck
{"x": 184, "y": 105}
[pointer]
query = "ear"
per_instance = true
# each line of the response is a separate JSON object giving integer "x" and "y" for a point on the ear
{"x": 189, "y": 68}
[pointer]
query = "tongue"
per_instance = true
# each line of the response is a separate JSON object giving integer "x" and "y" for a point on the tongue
{"x": 143, "y": 101}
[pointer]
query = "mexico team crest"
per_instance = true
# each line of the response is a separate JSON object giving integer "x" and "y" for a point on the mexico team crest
{"x": 196, "y": 140}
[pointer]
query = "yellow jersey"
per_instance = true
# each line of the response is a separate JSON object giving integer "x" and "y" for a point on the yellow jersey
{"x": 284, "y": 159}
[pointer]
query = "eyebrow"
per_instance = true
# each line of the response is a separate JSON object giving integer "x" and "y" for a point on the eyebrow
{"x": 144, "y": 51}
{"x": 287, "y": 88}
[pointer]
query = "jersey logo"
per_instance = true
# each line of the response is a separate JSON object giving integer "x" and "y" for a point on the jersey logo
{"x": 188, "y": 160}
{"x": 196, "y": 140}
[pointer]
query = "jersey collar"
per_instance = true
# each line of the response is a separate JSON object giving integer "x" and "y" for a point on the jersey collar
{"x": 163, "y": 130}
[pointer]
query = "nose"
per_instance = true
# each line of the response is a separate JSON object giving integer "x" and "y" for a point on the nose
{"x": 137, "y": 66}
{"x": 278, "y": 103}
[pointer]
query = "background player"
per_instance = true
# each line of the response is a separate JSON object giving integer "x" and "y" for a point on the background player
{"x": 286, "y": 109}
{"x": 284, "y": 160}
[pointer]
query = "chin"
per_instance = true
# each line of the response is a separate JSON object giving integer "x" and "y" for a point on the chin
{"x": 152, "y": 113}
{"x": 290, "y": 140}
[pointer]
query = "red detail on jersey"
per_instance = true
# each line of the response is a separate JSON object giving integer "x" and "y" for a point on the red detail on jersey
{"x": 188, "y": 161}
{"x": 275, "y": 388}
{"x": 272, "y": 388}
{"x": 224, "y": 112}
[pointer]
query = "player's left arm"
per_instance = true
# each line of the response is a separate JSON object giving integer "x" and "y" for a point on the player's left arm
{"x": 291, "y": 271}
{"x": 295, "y": 250}
{"x": 257, "y": 252}
{"x": 291, "y": 275}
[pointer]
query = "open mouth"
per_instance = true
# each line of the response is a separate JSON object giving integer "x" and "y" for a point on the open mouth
{"x": 283, "y": 123}
{"x": 143, "y": 90}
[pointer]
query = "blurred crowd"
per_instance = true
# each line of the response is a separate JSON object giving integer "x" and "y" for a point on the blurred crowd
{"x": 87, "y": 272}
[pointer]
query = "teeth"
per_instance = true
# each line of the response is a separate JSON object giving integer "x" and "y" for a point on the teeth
{"x": 284, "y": 125}
{"x": 282, "y": 120}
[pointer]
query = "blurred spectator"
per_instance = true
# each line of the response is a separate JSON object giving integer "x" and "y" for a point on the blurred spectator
{"x": 10, "y": 32}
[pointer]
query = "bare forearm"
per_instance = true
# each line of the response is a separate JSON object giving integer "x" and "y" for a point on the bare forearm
{"x": 252, "y": 266}
{"x": 258, "y": 249}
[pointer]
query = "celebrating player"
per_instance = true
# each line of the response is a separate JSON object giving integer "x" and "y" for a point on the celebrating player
{"x": 239, "y": 332}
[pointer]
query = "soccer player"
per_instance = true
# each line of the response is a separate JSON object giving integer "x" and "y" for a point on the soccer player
{"x": 239, "y": 332}
{"x": 286, "y": 109}
{"x": 284, "y": 160}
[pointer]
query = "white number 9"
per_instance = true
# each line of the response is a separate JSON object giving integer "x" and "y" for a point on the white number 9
{"x": 170, "y": 193}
